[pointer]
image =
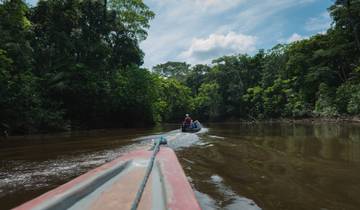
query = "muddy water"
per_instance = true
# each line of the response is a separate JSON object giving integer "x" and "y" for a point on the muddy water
{"x": 231, "y": 166}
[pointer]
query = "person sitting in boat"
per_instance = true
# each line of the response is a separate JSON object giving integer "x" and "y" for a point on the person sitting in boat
{"x": 194, "y": 124}
{"x": 187, "y": 121}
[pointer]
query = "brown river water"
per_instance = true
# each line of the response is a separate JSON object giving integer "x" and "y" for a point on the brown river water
{"x": 230, "y": 166}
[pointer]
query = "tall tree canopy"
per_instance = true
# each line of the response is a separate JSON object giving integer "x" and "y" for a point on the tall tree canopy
{"x": 63, "y": 61}
{"x": 174, "y": 70}
{"x": 134, "y": 15}
{"x": 68, "y": 64}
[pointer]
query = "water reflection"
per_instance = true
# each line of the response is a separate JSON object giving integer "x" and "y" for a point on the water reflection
{"x": 231, "y": 166}
{"x": 279, "y": 166}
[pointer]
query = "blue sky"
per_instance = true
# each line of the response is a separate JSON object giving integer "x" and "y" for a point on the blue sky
{"x": 197, "y": 31}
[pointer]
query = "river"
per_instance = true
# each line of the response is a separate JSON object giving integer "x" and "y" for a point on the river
{"x": 230, "y": 166}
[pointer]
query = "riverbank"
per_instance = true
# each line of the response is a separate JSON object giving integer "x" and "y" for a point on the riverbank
{"x": 310, "y": 120}
{"x": 353, "y": 119}
{"x": 83, "y": 131}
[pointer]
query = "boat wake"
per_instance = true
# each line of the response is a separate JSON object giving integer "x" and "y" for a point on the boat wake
{"x": 176, "y": 139}
{"x": 30, "y": 175}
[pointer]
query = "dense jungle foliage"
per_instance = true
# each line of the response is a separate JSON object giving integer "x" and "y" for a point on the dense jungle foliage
{"x": 69, "y": 64}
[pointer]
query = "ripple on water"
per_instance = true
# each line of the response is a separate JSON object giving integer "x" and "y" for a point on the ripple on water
{"x": 206, "y": 202}
{"x": 25, "y": 175}
{"x": 216, "y": 137}
{"x": 22, "y": 175}
{"x": 29, "y": 175}
{"x": 182, "y": 140}
{"x": 178, "y": 140}
{"x": 235, "y": 201}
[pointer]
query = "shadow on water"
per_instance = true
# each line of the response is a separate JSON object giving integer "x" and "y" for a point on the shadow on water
{"x": 230, "y": 166}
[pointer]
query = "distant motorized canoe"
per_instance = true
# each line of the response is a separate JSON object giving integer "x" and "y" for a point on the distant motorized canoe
{"x": 115, "y": 184}
{"x": 192, "y": 129}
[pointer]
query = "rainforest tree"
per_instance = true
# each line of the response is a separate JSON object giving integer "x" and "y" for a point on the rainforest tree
{"x": 68, "y": 64}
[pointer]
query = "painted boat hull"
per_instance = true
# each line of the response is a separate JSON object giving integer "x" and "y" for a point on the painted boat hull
{"x": 190, "y": 130}
{"x": 115, "y": 184}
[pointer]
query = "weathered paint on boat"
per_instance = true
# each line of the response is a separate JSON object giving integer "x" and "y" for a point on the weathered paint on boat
{"x": 115, "y": 184}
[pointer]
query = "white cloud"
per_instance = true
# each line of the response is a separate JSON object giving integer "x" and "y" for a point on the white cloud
{"x": 319, "y": 24}
{"x": 206, "y": 49}
{"x": 180, "y": 24}
{"x": 295, "y": 37}
{"x": 218, "y": 5}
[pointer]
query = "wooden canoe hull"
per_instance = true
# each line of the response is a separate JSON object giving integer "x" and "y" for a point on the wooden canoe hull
{"x": 115, "y": 184}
